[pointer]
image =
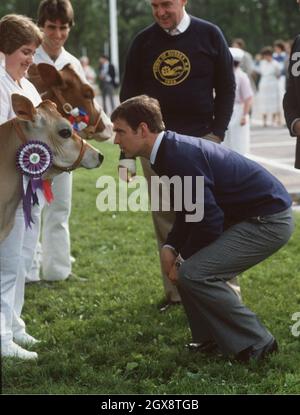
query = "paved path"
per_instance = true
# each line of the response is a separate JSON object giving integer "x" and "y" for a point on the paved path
{"x": 274, "y": 149}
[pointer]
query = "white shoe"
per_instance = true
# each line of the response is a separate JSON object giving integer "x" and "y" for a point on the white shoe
{"x": 11, "y": 349}
{"x": 24, "y": 339}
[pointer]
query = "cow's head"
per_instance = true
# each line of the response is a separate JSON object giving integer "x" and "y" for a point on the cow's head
{"x": 46, "y": 124}
{"x": 68, "y": 91}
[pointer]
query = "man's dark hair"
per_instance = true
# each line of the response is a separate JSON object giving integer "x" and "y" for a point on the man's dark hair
{"x": 140, "y": 109}
{"x": 55, "y": 10}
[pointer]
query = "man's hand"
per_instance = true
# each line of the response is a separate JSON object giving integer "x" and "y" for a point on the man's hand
{"x": 168, "y": 257}
{"x": 127, "y": 169}
{"x": 296, "y": 128}
{"x": 173, "y": 274}
{"x": 243, "y": 120}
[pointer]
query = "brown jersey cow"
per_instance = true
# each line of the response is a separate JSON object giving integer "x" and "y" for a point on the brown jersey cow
{"x": 68, "y": 91}
{"x": 43, "y": 123}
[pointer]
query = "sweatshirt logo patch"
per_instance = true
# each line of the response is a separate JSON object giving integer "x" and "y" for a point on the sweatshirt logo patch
{"x": 171, "y": 67}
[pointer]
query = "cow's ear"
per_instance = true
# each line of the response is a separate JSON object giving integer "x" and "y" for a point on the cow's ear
{"x": 50, "y": 75}
{"x": 23, "y": 107}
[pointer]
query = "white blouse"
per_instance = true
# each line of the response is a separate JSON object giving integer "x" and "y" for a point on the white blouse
{"x": 8, "y": 87}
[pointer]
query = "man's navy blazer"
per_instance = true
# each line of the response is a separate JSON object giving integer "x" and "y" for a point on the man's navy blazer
{"x": 235, "y": 188}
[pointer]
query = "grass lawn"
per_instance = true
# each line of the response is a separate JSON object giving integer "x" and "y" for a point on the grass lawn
{"x": 102, "y": 333}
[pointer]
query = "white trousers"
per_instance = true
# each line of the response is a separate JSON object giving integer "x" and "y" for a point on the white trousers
{"x": 54, "y": 252}
{"x": 237, "y": 136}
{"x": 16, "y": 256}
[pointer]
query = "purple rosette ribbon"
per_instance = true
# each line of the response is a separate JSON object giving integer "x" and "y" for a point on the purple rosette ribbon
{"x": 33, "y": 159}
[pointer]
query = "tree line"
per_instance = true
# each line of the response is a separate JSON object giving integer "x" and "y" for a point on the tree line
{"x": 258, "y": 22}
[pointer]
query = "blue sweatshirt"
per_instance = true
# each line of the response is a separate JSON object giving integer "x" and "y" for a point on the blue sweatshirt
{"x": 191, "y": 75}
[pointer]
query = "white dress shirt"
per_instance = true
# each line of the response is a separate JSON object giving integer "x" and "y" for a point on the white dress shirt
{"x": 64, "y": 58}
{"x": 182, "y": 26}
{"x": 156, "y": 147}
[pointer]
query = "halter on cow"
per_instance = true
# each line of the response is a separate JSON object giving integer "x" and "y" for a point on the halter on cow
{"x": 44, "y": 124}
{"x": 69, "y": 92}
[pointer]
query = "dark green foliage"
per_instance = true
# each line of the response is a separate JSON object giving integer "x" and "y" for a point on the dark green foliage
{"x": 259, "y": 22}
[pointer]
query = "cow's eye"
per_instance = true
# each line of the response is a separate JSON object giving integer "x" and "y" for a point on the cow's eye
{"x": 88, "y": 95}
{"x": 65, "y": 133}
{"x": 87, "y": 92}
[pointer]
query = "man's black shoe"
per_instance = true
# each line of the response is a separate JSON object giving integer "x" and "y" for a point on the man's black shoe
{"x": 167, "y": 304}
{"x": 206, "y": 347}
{"x": 250, "y": 353}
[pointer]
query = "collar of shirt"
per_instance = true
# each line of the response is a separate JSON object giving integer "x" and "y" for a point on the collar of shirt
{"x": 156, "y": 147}
{"x": 8, "y": 78}
{"x": 42, "y": 56}
{"x": 182, "y": 26}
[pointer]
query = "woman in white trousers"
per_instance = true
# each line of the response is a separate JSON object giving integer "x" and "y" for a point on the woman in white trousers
{"x": 19, "y": 39}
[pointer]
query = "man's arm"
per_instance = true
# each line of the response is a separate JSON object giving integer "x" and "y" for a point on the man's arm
{"x": 224, "y": 84}
{"x": 189, "y": 237}
{"x": 290, "y": 100}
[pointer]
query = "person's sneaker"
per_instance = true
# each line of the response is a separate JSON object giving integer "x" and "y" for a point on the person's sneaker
{"x": 14, "y": 350}
{"x": 24, "y": 339}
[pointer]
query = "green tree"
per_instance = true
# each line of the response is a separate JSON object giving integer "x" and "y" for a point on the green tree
{"x": 258, "y": 22}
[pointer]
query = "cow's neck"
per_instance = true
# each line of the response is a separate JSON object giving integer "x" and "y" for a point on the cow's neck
{"x": 10, "y": 178}
{"x": 9, "y": 140}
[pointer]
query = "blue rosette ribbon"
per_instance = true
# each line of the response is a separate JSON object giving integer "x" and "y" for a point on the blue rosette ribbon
{"x": 33, "y": 159}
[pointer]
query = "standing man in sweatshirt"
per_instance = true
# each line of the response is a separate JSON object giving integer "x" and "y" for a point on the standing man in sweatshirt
{"x": 185, "y": 63}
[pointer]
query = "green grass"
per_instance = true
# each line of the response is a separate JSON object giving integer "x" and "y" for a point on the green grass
{"x": 102, "y": 333}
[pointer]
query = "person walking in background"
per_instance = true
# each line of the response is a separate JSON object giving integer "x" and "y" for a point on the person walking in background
{"x": 107, "y": 81}
{"x": 268, "y": 87}
{"x": 200, "y": 256}
{"x": 89, "y": 72}
{"x": 280, "y": 56}
{"x": 19, "y": 39}
{"x": 237, "y": 136}
{"x": 55, "y": 18}
{"x": 185, "y": 63}
{"x": 247, "y": 63}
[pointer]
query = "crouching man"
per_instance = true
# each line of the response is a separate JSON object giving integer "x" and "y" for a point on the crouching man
{"x": 200, "y": 257}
